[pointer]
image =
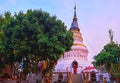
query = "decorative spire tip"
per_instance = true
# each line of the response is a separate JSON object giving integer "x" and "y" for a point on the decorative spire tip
{"x": 75, "y": 10}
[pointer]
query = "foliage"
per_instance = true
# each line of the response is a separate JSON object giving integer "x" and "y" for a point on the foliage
{"x": 109, "y": 54}
{"x": 3, "y": 20}
{"x": 35, "y": 33}
{"x": 109, "y": 57}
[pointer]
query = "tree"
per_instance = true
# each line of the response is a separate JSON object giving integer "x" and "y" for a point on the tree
{"x": 3, "y": 20}
{"x": 109, "y": 57}
{"x": 36, "y": 36}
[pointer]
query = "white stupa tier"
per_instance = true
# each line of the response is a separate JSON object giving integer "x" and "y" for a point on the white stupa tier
{"x": 77, "y": 56}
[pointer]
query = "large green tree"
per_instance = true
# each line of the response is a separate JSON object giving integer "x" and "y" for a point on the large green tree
{"x": 37, "y": 35}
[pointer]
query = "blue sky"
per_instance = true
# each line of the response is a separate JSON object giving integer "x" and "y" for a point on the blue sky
{"x": 95, "y": 17}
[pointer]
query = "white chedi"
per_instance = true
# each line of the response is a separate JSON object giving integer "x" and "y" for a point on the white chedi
{"x": 78, "y": 53}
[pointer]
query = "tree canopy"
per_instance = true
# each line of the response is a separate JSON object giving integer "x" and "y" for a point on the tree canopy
{"x": 109, "y": 54}
{"x": 109, "y": 57}
{"x": 35, "y": 33}
{"x": 3, "y": 20}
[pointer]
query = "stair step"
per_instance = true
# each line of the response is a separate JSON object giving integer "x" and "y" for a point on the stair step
{"x": 77, "y": 78}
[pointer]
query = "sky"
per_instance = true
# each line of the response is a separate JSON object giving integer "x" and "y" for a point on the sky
{"x": 95, "y": 17}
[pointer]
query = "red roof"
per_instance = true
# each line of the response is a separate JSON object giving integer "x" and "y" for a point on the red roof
{"x": 89, "y": 68}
